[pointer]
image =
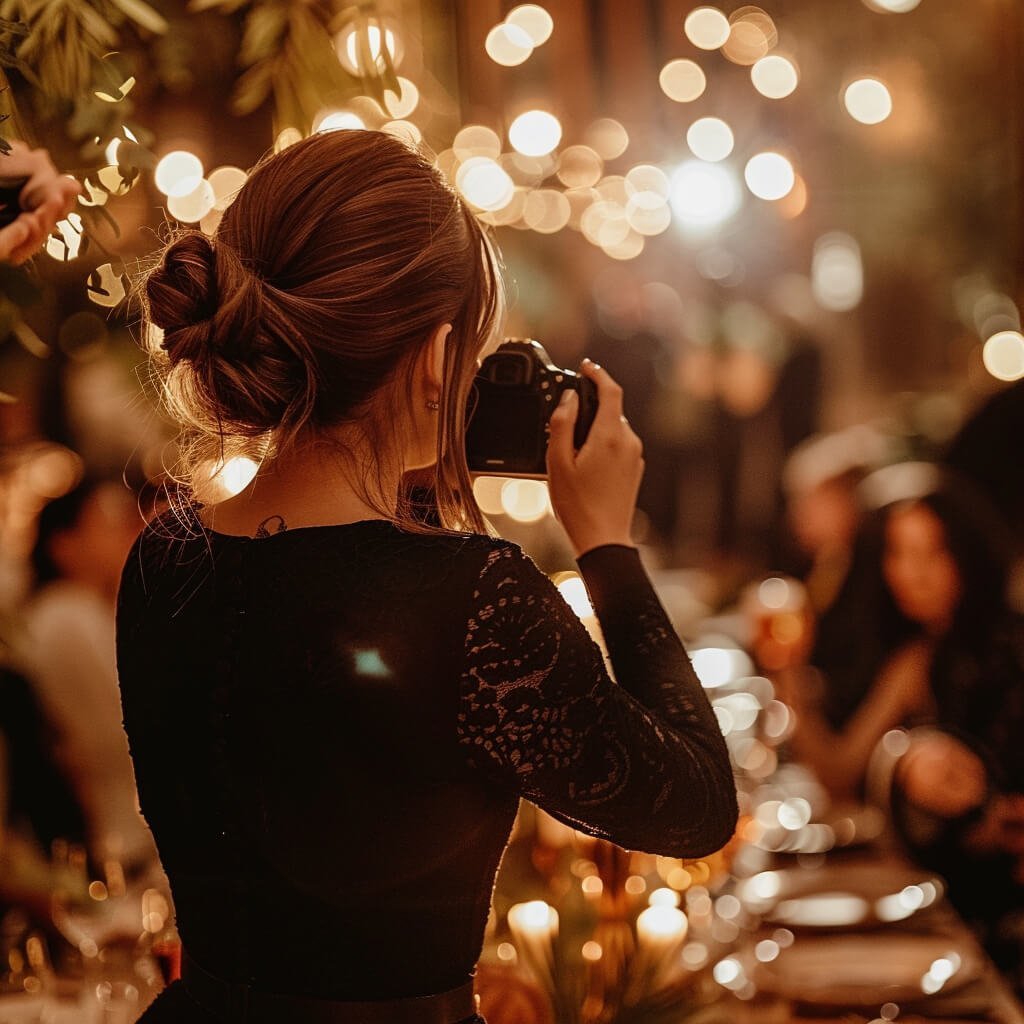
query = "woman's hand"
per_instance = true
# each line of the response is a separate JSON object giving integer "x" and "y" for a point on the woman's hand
{"x": 46, "y": 198}
{"x": 593, "y": 490}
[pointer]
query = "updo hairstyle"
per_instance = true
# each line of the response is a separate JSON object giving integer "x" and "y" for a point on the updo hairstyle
{"x": 329, "y": 273}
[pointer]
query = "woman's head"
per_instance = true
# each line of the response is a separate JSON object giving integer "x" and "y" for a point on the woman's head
{"x": 315, "y": 304}
{"x": 944, "y": 562}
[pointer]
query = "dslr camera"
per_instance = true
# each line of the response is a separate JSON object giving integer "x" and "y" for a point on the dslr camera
{"x": 516, "y": 390}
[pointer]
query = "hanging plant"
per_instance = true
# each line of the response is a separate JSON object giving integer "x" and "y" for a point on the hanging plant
{"x": 296, "y": 50}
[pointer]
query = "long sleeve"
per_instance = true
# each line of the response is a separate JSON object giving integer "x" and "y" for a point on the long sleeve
{"x": 640, "y": 761}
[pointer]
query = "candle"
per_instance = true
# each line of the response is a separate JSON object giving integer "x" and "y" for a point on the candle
{"x": 660, "y": 927}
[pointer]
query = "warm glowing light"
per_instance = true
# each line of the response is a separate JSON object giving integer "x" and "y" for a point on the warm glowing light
{"x": 506, "y": 951}
{"x": 867, "y": 100}
{"x": 710, "y": 139}
{"x": 1003, "y": 355}
{"x": 533, "y": 918}
{"x": 592, "y": 951}
{"x": 534, "y": 20}
{"x": 348, "y": 48}
{"x": 752, "y": 34}
{"x": 682, "y": 80}
{"x": 487, "y": 491}
{"x": 110, "y": 153}
{"x": 661, "y": 925}
{"x": 794, "y": 813}
{"x": 769, "y": 176}
{"x": 546, "y": 211}
{"x": 592, "y": 885}
{"x": 607, "y": 138}
{"x": 726, "y": 972}
{"x": 287, "y": 137}
{"x": 892, "y": 6}
{"x": 648, "y": 214}
{"x": 476, "y": 140}
{"x": 574, "y": 590}
{"x": 663, "y": 898}
{"x": 704, "y": 195}
{"x": 402, "y": 106}
{"x": 792, "y": 205}
{"x": 647, "y": 178}
{"x": 406, "y": 131}
{"x": 340, "y": 120}
{"x": 604, "y": 223}
{"x": 635, "y": 885}
{"x": 579, "y": 167}
{"x": 707, "y": 28}
{"x": 774, "y": 77}
{"x": 484, "y": 183}
{"x": 193, "y": 207}
{"x": 716, "y": 666}
{"x": 68, "y": 245}
{"x": 225, "y": 182}
{"x": 238, "y": 473}
{"x": 837, "y": 273}
{"x": 178, "y": 173}
{"x": 509, "y": 45}
{"x": 526, "y": 501}
{"x": 628, "y": 248}
{"x": 535, "y": 133}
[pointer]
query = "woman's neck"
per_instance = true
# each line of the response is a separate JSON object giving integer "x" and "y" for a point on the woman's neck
{"x": 310, "y": 487}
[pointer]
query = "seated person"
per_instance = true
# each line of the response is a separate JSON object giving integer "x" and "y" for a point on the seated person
{"x": 933, "y": 637}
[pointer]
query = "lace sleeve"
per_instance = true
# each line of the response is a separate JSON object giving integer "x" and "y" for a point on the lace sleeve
{"x": 641, "y": 762}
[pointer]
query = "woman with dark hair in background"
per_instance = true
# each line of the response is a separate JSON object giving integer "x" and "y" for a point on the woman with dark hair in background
{"x": 333, "y": 705}
{"x": 948, "y": 652}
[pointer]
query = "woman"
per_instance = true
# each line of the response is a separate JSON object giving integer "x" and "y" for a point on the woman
{"x": 931, "y": 636}
{"x": 334, "y": 707}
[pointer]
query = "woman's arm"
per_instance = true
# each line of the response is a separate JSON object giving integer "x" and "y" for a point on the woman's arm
{"x": 640, "y": 761}
{"x": 839, "y": 759}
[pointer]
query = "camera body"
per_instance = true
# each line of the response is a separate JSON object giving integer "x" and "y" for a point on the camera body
{"x": 516, "y": 390}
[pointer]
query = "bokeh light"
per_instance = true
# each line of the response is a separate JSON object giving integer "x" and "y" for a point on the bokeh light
{"x": 69, "y": 243}
{"x": 406, "y": 131}
{"x": 178, "y": 173}
{"x": 546, "y": 211}
{"x": 752, "y": 34}
{"x": 707, "y": 28}
{"x": 193, "y": 207}
{"x": 837, "y": 273}
{"x": 347, "y": 47}
{"x": 579, "y": 167}
{"x": 476, "y": 140}
{"x": 225, "y": 182}
{"x": 508, "y": 45}
{"x": 704, "y": 195}
{"x": 892, "y": 6}
{"x": 769, "y": 176}
{"x": 628, "y": 248}
{"x": 1003, "y": 355}
{"x": 535, "y": 133}
{"x": 484, "y": 183}
{"x": 534, "y": 20}
{"x": 607, "y": 138}
{"x": 868, "y": 100}
{"x": 775, "y": 76}
{"x": 526, "y": 501}
{"x": 340, "y": 120}
{"x": 403, "y": 105}
{"x": 710, "y": 139}
{"x": 682, "y": 80}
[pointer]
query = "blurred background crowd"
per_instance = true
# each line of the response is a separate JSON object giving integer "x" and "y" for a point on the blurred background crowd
{"x": 797, "y": 240}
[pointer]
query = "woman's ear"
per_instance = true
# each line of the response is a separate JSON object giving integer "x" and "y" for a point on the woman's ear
{"x": 433, "y": 360}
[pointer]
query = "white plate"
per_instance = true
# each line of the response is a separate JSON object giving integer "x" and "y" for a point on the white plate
{"x": 840, "y": 896}
{"x": 867, "y": 970}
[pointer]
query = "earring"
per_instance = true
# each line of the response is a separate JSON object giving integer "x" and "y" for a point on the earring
{"x": 432, "y": 405}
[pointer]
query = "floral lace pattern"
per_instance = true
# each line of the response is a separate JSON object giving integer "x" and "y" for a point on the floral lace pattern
{"x": 640, "y": 761}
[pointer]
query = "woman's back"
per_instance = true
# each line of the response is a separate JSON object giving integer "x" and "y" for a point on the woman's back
{"x": 331, "y": 728}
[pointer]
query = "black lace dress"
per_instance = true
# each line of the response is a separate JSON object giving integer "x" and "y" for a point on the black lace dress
{"x": 332, "y": 726}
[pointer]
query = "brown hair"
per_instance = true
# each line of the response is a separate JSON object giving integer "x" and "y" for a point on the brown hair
{"x": 329, "y": 272}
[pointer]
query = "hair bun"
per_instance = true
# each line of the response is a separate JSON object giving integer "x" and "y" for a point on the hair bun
{"x": 183, "y": 296}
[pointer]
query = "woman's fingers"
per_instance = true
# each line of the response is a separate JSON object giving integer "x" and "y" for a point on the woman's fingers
{"x": 609, "y": 394}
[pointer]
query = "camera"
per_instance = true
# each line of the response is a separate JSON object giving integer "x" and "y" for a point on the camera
{"x": 516, "y": 390}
